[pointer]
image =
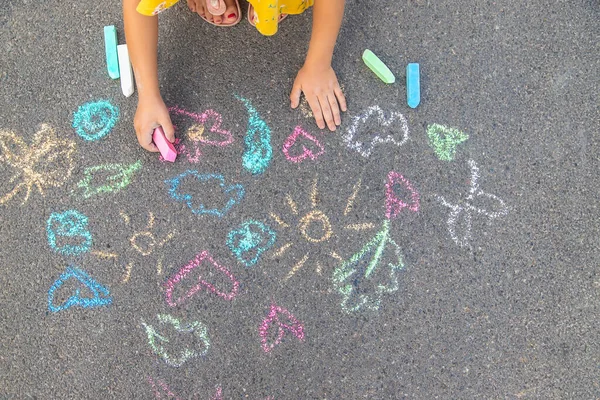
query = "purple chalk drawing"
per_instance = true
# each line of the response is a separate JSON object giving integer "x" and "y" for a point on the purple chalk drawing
{"x": 273, "y": 321}
{"x": 393, "y": 204}
{"x": 301, "y": 138}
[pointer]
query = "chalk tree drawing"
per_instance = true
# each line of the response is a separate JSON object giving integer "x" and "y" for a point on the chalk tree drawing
{"x": 107, "y": 178}
{"x": 46, "y": 162}
{"x": 444, "y": 140}
{"x": 259, "y": 151}
{"x": 68, "y": 233}
{"x": 465, "y": 208}
{"x": 248, "y": 241}
{"x": 94, "y": 120}
{"x": 311, "y": 147}
{"x": 283, "y": 322}
{"x": 100, "y": 294}
{"x": 393, "y": 203}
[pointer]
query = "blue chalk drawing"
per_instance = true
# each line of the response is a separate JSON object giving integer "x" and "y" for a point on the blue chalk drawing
{"x": 94, "y": 120}
{"x": 69, "y": 224}
{"x": 101, "y": 294}
{"x": 250, "y": 240}
{"x": 258, "y": 151}
{"x": 235, "y": 193}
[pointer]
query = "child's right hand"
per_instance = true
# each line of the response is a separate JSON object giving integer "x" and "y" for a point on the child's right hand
{"x": 151, "y": 113}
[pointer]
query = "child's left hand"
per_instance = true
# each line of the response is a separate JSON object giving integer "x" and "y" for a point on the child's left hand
{"x": 322, "y": 91}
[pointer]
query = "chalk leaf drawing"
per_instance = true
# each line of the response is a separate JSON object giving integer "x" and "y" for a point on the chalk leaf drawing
{"x": 248, "y": 241}
{"x": 258, "y": 150}
{"x": 205, "y": 267}
{"x": 46, "y": 162}
{"x": 362, "y": 280}
{"x": 393, "y": 203}
{"x": 444, "y": 140}
{"x": 234, "y": 193}
{"x": 107, "y": 178}
{"x": 395, "y": 124}
{"x": 94, "y": 120}
{"x": 459, "y": 220}
{"x": 311, "y": 147}
{"x": 281, "y": 321}
{"x": 159, "y": 342}
{"x": 100, "y": 294}
{"x": 68, "y": 233}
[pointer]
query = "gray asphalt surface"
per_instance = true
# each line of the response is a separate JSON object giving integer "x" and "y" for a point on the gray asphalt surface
{"x": 513, "y": 314}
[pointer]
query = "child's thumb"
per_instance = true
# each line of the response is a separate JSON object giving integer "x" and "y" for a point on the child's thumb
{"x": 168, "y": 129}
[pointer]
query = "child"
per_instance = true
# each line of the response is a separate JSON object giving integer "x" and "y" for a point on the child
{"x": 316, "y": 79}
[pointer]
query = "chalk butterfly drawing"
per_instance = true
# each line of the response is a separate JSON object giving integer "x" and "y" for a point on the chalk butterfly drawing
{"x": 100, "y": 294}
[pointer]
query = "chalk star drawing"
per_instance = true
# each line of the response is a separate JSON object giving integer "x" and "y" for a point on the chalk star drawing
{"x": 394, "y": 204}
{"x": 302, "y": 138}
{"x": 46, "y": 162}
{"x": 107, "y": 178}
{"x": 395, "y": 122}
{"x": 101, "y": 295}
{"x": 250, "y": 240}
{"x": 64, "y": 226}
{"x": 444, "y": 140}
{"x": 158, "y": 341}
{"x": 465, "y": 209}
{"x": 94, "y": 120}
{"x": 259, "y": 151}
{"x": 281, "y": 319}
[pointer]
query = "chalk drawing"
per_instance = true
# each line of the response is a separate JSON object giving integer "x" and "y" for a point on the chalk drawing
{"x": 160, "y": 387}
{"x": 302, "y": 138}
{"x": 258, "y": 152}
{"x": 63, "y": 227}
{"x": 350, "y": 277}
{"x": 283, "y": 321}
{"x": 393, "y": 204}
{"x": 465, "y": 208}
{"x": 444, "y": 140}
{"x": 250, "y": 240}
{"x": 101, "y": 295}
{"x": 196, "y": 263}
{"x": 157, "y": 341}
{"x": 197, "y": 131}
{"x": 396, "y": 122}
{"x": 46, "y": 162}
{"x": 94, "y": 120}
{"x": 107, "y": 178}
{"x": 218, "y": 395}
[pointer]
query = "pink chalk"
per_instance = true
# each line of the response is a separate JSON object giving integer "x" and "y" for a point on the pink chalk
{"x": 167, "y": 150}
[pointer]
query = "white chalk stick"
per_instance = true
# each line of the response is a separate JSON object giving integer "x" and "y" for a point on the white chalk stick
{"x": 125, "y": 70}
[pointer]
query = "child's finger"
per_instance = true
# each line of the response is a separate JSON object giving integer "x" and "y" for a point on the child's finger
{"x": 316, "y": 110}
{"x": 335, "y": 109}
{"x": 295, "y": 95}
{"x": 327, "y": 112}
{"x": 168, "y": 129}
{"x": 146, "y": 142}
{"x": 340, "y": 97}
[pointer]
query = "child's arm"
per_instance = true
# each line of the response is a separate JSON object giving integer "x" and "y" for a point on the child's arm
{"x": 316, "y": 78}
{"x": 141, "y": 33}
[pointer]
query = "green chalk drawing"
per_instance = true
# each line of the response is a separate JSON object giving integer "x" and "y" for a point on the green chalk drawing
{"x": 259, "y": 151}
{"x": 118, "y": 176}
{"x": 444, "y": 140}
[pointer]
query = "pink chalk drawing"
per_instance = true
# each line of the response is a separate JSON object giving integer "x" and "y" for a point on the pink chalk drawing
{"x": 300, "y": 137}
{"x": 393, "y": 204}
{"x": 218, "y": 395}
{"x": 160, "y": 388}
{"x": 185, "y": 270}
{"x": 273, "y": 320}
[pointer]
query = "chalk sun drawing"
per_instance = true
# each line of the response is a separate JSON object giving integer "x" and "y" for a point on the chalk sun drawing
{"x": 101, "y": 295}
{"x": 396, "y": 123}
{"x": 444, "y": 140}
{"x": 283, "y": 321}
{"x": 301, "y": 138}
{"x": 94, "y": 120}
{"x": 248, "y": 241}
{"x": 107, "y": 178}
{"x": 393, "y": 204}
{"x": 259, "y": 152}
{"x": 70, "y": 225}
{"x": 465, "y": 208}
{"x": 46, "y": 162}
{"x": 158, "y": 342}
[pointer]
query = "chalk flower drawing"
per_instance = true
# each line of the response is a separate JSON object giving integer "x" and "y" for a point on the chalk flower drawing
{"x": 46, "y": 162}
{"x": 94, "y": 120}
{"x": 101, "y": 295}
{"x": 250, "y": 240}
{"x": 283, "y": 321}
{"x": 61, "y": 228}
{"x": 107, "y": 178}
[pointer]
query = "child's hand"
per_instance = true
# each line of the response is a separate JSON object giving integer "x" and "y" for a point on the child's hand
{"x": 322, "y": 90}
{"x": 152, "y": 112}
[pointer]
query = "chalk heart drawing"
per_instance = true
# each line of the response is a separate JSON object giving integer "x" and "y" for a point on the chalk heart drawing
{"x": 66, "y": 226}
{"x": 202, "y": 259}
{"x": 234, "y": 193}
{"x": 248, "y": 241}
{"x": 158, "y": 342}
{"x": 46, "y": 162}
{"x": 393, "y": 204}
{"x": 352, "y": 274}
{"x": 100, "y": 294}
{"x": 107, "y": 178}
{"x": 395, "y": 123}
{"x": 94, "y": 120}
{"x": 282, "y": 321}
{"x": 258, "y": 152}
{"x": 303, "y": 139}
{"x": 444, "y": 140}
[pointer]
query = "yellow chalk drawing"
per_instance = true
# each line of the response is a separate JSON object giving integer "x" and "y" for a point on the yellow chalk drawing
{"x": 352, "y": 197}
{"x": 360, "y": 227}
{"x": 312, "y": 218}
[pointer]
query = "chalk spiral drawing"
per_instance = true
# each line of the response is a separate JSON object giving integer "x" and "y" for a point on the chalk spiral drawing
{"x": 202, "y": 258}
{"x": 66, "y": 226}
{"x": 465, "y": 209}
{"x": 393, "y": 204}
{"x": 101, "y": 295}
{"x": 395, "y": 122}
{"x": 283, "y": 321}
{"x": 46, "y": 162}
{"x": 351, "y": 274}
{"x": 302, "y": 138}
{"x": 94, "y": 120}
{"x": 107, "y": 178}
{"x": 248, "y": 241}
{"x": 235, "y": 193}
{"x": 157, "y": 341}
{"x": 258, "y": 152}
{"x": 444, "y": 140}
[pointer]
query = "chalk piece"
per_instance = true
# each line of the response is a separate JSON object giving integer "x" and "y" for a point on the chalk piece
{"x": 167, "y": 150}
{"x": 413, "y": 85}
{"x": 125, "y": 70}
{"x": 110, "y": 47}
{"x": 378, "y": 67}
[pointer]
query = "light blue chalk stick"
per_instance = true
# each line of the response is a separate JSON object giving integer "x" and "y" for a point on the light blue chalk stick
{"x": 110, "y": 45}
{"x": 413, "y": 85}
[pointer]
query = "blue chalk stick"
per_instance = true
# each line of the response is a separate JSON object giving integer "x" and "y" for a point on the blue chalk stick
{"x": 413, "y": 85}
{"x": 110, "y": 45}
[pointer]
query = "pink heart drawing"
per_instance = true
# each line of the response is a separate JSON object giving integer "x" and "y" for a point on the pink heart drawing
{"x": 291, "y": 140}
{"x": 204, "y": 118}
{"x": 274, "y": 320}
{"x": 395, "y": 205}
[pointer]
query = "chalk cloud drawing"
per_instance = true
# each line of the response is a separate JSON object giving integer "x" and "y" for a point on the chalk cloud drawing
{"x": 393, "y": 204}
{"x": 445, "y": 140}
{"x": 100, "y": 294}
{"x": 64, "y": 227}
{"x": 46, "y": 162}
{"x": 461, "y": 213}
{"x": 301, "y": 138}
{"x": 248, "y": 241}
{"x": 395, "y": 122}
{"x": 106, "y": 178}
{"x": 158, "y": 342}
{"x": 259, "y": 152}
{"x": 282, "y": 321}
{"x": 94, "y": 120}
